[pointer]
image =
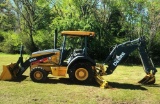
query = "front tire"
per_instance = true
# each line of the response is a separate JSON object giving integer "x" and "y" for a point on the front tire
{"x": 38, "y": 74}
{"x": 81, "y": 73}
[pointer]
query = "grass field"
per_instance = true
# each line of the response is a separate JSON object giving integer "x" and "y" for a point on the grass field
{"x": 125, "y": 89}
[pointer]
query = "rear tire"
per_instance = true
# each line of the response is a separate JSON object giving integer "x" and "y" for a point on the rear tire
{"x": 81, "y": 73}
{"x": 38, "y": 74}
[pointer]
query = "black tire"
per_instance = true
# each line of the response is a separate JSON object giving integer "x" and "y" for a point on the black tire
{"x": 86, "y": 71}
{"x": 38, "y": 74}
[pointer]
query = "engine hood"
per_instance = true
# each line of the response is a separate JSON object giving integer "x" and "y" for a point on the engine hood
{"x": 48, "y": 51}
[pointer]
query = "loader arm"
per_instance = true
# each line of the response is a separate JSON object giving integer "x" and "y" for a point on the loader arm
{"x": 15, "y": 70}
{"x": 24, "y": 65}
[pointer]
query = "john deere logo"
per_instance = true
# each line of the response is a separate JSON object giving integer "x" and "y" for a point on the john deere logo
{"x": 118, "y": 59}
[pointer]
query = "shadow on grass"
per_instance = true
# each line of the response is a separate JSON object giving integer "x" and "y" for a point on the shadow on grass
{"x": 52, "y": 80}
{"x": 126, "y": 86}
{"x": 67, "y": 81}
{"x": 153, "y": 85}
{"x": 19, "y": 79}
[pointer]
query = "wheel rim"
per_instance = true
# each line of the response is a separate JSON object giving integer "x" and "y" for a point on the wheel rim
{"x": 81, "y": 74}
{"x": 38, "y": 75}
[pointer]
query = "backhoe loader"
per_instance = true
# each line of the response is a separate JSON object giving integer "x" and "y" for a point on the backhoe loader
{"x": 76, "y": 62}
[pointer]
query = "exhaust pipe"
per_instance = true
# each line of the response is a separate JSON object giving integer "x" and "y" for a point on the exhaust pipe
{"x": 55, "y": 39}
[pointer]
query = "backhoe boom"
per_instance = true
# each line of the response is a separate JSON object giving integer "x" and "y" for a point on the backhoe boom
{"x": 121, "y": 51}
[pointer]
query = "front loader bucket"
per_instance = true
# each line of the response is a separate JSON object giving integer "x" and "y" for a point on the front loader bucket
{"x": 8, "y": 73}
{"x": 148, "y": 79}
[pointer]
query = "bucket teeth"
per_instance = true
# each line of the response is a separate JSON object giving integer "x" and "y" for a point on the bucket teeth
{"x": 148, "y": 79}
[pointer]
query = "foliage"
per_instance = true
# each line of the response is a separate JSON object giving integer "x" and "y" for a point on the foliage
{"x": 7, "y": 16}
{"x": 10, "y": 43}
{"x": 44, "y": 39}
{"x": 34, "y": 22}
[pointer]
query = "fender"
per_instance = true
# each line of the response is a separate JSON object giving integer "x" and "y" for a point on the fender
{"x": 82, "y": 59}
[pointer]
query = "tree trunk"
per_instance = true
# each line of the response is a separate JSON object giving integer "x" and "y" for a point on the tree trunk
{"x": 32, "y": 47}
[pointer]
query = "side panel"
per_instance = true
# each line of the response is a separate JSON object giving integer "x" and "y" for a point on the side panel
{"x": 59, "y": 71}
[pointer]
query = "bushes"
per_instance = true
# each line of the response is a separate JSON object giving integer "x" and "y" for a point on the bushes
{"x": 10, "y": 42}
{"x": 43, "y": 39}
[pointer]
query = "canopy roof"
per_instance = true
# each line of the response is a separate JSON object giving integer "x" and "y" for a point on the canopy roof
{"x": 78, "y": 33}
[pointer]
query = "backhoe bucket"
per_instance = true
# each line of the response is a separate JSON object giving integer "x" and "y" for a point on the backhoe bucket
{"x": 9, "y": 72}
{"x": 148, "y": 79}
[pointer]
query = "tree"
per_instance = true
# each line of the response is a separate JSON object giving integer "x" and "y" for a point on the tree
{"x": 26, "y": 9}
{"x": 153, "y": 23}
{"x": 32, "y": 16}
{"x": 7, "y": 16}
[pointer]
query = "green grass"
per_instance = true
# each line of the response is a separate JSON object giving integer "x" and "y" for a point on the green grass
{"x": 58, "y": 91}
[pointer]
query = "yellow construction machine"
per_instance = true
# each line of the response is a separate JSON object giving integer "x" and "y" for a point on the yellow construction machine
{"x": 75, "y": 61}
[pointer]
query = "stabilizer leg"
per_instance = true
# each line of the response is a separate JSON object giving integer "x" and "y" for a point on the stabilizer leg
{"x": 103, "y": 83}
{"x": 100, "y": 70}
